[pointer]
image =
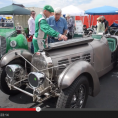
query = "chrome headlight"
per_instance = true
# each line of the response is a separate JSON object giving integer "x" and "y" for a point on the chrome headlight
{"x": 13, "y": 44}
{"x": 36, "y": 79}
{"x": 12, "y": 69}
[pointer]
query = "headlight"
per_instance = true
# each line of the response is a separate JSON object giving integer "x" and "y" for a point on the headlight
{"x": 36, "y": 79}
{"x": 13, "y": 44}
{"x": 12, "y": 69}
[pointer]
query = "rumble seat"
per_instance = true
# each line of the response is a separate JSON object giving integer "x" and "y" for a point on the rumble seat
{"x": 112, "y": 44}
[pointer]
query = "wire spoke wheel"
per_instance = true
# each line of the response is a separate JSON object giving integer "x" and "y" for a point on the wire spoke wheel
{"x": 75, "y": 96}
{"x": 79, "y": 97}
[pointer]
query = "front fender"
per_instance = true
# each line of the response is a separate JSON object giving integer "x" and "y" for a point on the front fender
{"x": 74, "y": 70}
{"x": 20, "y": 40}
{"x": 8, "y": 57}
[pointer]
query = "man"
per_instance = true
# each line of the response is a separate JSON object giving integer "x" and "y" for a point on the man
{"x": 31, "y": 23}
{"x": 106, "y": 24}
{"x": 58, "y": 23}
{"x": 70, "y": 24}
{"x": 42, "y": 29}
{"x": 2, "y": 20}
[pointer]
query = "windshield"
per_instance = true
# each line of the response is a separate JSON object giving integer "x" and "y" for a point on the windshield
{"x": 6, "y": 22}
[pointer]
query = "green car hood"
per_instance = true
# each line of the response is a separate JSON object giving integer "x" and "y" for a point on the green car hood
{"x": 6, "y": 32}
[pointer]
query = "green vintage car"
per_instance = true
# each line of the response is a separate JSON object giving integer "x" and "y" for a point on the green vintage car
{"x": 9, "y": 39}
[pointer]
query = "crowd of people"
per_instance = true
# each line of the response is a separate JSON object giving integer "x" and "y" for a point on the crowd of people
{"x": 49, "y": 27}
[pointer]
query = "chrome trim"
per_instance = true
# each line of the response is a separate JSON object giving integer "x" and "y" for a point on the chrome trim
{"x": 49, "y": 64}
{"x": 3, "y": 44}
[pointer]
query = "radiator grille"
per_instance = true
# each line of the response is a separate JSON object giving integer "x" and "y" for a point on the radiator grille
{"x": 2, "y": 46}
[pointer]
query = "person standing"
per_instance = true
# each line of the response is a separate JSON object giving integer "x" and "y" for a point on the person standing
{"x": 58, "y": 23}
{"x": 106, "y": 24}
{"x": 2, "y": 20}
{"x": 100, "y": 26}
{"x": 42, "y": 29}
{"x": 70, "y": 25}
{"x": 31, "y": 23}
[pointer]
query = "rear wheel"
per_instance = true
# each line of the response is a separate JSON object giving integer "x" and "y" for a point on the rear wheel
{"x": 3, "y": 84}
{"x": 74, "y": 96}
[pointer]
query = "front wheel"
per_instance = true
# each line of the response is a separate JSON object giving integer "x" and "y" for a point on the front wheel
{"x": 76, "y": 95}
{"x": 3, "y": 84}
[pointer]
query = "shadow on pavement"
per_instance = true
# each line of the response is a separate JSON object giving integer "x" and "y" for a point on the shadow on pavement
{"x": 25, "y": 99}
{"x": 22, "y": 98}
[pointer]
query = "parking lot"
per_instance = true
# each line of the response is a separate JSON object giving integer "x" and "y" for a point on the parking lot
{"x": 106, "y": 99}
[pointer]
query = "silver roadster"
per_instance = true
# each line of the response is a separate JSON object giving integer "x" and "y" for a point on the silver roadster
{"x": 69, "y": 70}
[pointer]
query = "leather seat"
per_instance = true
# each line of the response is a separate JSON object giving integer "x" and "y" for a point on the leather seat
{"x": 112, "y": 44}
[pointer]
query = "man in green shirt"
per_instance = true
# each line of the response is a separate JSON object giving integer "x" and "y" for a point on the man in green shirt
{"x": 42, "y": 29}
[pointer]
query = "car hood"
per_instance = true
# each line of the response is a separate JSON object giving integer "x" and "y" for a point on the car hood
{"x": 6, "y": 32}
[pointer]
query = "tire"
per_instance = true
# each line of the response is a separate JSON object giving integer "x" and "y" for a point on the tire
{"x": 3, "y": 85}
{"x": 66, "y": 95}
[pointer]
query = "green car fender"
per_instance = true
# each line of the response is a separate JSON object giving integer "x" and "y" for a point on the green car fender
{"x": 17, "y": 42}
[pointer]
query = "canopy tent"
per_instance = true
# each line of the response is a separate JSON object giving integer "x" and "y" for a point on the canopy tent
{"x": 105, "y": 10}
{"x": 73, "y": 11}
{"x": 14, "y": 10}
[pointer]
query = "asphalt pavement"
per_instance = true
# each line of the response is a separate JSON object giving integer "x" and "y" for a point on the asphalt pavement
{"x": 106, "y": 99}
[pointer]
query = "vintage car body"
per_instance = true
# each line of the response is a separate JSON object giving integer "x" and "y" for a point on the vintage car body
{"x": 10, "y": 40}
{"x": 68, "y": 69}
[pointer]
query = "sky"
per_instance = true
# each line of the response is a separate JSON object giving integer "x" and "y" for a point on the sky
{"x": 82, "y": 4}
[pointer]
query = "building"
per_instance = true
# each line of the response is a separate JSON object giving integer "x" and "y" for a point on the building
{"x": 36, "y": 9}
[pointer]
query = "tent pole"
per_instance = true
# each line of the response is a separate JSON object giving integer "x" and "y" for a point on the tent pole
{"x": 93, "y": 20}
{"x": 90, "y": 21}
{"x": 83, "y": 19}
{"x": 14, "y": 20}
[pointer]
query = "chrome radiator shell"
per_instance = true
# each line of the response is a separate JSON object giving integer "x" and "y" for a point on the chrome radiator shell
{"x": 2, "y": 46}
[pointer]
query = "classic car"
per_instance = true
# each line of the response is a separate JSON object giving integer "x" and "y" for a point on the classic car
{"x": 9, "y": 39}
{"x": 11, "y": 35}
{"x": 69, "y": 70}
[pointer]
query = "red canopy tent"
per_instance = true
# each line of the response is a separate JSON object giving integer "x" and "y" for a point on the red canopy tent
{"x": 110, "y": 18}
{"x": 110, "y": 13}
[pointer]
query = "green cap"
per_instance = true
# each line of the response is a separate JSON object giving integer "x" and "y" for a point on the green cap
{"x": 48, "y": 8}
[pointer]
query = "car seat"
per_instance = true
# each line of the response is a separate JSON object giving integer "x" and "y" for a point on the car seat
{"x": 112, "y": 44}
